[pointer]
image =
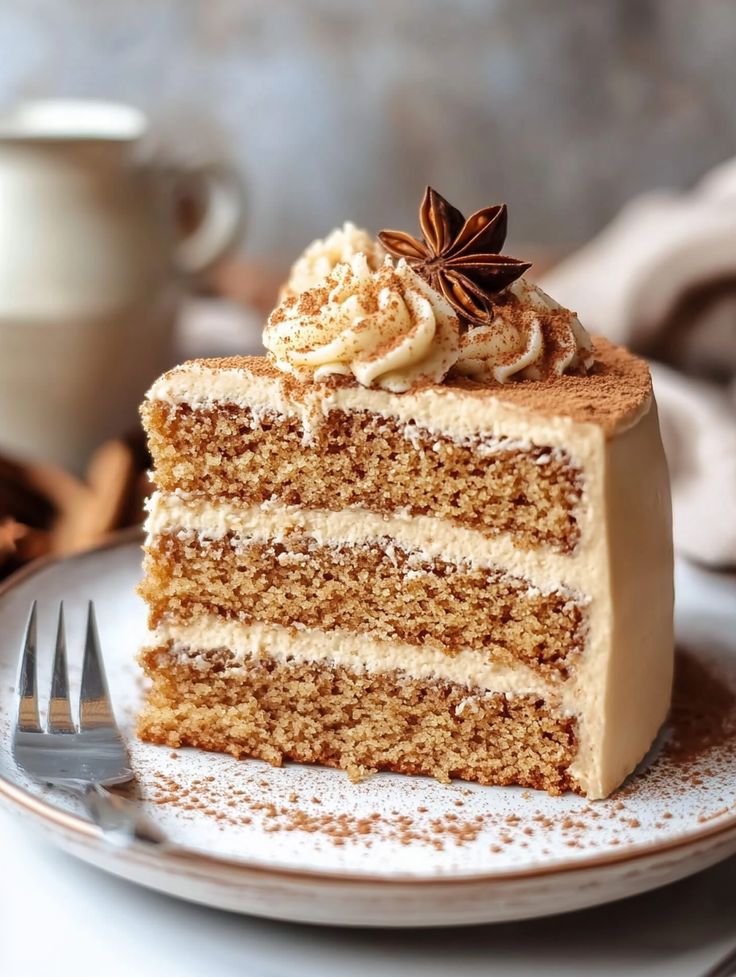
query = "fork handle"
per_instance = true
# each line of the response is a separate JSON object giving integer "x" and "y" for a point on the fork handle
{"x": 120, "y": 820}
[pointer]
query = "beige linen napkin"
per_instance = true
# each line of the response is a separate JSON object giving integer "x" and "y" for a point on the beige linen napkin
{"x": 661, "y": 279}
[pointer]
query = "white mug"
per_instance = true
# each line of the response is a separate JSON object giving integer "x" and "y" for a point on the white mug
{"x": 92, "y": 267}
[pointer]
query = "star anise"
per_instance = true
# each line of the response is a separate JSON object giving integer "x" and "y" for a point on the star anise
{"x": 459, "y": 257}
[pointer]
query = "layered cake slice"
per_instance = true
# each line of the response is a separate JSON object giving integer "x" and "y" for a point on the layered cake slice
{"x": 428, "y": 533}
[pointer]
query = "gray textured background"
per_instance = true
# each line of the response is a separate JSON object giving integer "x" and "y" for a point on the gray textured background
{"x": 334, "y": 109}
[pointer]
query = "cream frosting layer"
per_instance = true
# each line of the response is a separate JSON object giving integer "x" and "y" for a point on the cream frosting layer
{"x": 387, "y": 328}
{"x": 430, "y": 538}
{"x": 445, "y": 411}
{"x": 530, "y": 335}
{"x": 354, "y": 651}
{"x": 322, "y": 256}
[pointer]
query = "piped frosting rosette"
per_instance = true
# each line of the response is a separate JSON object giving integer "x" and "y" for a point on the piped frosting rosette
{"x": 386, "y": 328}
{"x": 529, "y": 337}
{"x": 320, "y": 258}
{"x": 447, "y": 303}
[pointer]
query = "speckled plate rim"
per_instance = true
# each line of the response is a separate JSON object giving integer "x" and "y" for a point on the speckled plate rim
{"x": 84, "y": 831}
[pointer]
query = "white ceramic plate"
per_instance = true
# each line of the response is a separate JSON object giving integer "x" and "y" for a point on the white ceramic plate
{"x": 303, "y": 843}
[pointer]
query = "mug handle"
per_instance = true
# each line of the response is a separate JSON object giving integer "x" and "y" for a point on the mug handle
{"x": 221, "y": 223}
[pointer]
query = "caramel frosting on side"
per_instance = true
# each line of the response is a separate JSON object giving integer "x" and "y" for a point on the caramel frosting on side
{"x": 387, "y": 328}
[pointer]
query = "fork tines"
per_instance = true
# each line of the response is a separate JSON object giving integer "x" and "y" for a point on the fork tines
{"x": 27, "y": 683}
{"x": 60, "y": 713}
{"x": 95, "y": 709}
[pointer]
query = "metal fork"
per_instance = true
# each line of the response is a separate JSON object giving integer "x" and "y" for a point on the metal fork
{"x": 84, "y": 759}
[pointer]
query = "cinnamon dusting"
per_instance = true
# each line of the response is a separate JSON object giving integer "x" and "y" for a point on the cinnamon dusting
{"x": 615, "y": 392}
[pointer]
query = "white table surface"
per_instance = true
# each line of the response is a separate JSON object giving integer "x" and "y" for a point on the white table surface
{"x": 58, "y": 916}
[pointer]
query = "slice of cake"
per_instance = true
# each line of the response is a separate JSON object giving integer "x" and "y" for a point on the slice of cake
{"x": 428, "y": 533}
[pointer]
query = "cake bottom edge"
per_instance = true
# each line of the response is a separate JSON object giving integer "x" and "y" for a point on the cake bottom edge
{"x": 320, "y": 713}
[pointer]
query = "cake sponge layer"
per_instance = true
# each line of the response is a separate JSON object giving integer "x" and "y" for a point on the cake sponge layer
{"x": 378, "y": 590}
{"x": 362, "y": 459}
{"x": 313, "y": 713}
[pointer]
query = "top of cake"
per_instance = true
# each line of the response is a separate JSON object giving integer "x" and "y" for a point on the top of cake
{"x": 613, "y": 394}
{"x": 401, "y": 312}
{"x": 445, "y": 315}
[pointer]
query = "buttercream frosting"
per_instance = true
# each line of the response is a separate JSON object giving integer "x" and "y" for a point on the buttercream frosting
{"x": 426, "y": 536}
{"x": 320, "y": 257}
{"x": 531, "y": 336}
{"x": 386, "y": 328}
{"x": 355, "y": 651}
{"x": 612, "y": 397}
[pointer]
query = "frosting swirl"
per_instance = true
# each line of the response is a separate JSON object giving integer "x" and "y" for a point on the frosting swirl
{"x": 321, "y": 256}
{"x": 530, "y": 336}
{"x": 386, "y": 327}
